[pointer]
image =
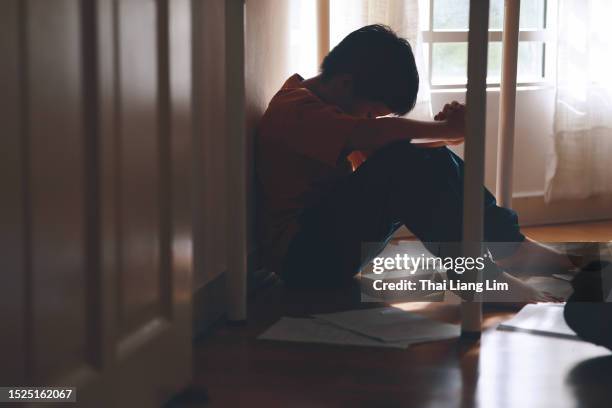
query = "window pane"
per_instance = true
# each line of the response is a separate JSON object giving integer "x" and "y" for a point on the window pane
{"x": 533, "y": 13}
{"x": 454, "y": 14}
{"x": 450, "y": 14}
{"x": 530, "y": 61}
{"x": 496, "y": 14}
{"x": 449, "y": 62}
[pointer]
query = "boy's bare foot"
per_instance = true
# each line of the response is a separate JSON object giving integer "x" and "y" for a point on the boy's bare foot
{"x": 533, "y": 258}
{"x": 518, "y": 294}
{"x": 531, "y": 255}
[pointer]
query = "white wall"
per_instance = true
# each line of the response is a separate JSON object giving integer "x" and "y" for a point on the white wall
{"x": 267, "y": 67}
{"x": 280, "y": 39}
{"x": 274, "y": 36}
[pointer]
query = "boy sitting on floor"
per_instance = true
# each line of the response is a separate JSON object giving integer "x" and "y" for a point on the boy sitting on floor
{"x": 317, "y": 212}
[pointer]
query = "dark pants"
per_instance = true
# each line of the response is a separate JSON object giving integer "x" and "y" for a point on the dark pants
{"x": 398, "y": 185}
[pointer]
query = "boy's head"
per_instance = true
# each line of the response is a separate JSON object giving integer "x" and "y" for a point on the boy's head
{"x": 374, "y": 67}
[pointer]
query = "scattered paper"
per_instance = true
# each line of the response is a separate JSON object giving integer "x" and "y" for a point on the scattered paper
{"x": 563, "y": 276}
{"x": 317, "y": 331}
{"x": 541, "y": 318}
{"x": 390, "y": 324}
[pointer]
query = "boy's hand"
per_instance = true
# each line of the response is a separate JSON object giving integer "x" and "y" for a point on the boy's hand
{"x": 454, "y": 114}
{"x": 449, "y": 108}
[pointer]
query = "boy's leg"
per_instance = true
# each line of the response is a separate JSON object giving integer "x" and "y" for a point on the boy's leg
{"x": 399, "y": 184}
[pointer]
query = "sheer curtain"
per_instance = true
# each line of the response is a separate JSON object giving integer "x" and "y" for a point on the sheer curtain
{"x": 580, "y": 166}
{"x": 302, "y": 52}
{"x": 403, "y": 16}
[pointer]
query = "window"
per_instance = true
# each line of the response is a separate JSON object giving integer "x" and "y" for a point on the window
{"x": 446, "y": 42}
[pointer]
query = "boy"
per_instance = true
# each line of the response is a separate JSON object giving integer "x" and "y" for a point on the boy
{"x": 317, "y": 212}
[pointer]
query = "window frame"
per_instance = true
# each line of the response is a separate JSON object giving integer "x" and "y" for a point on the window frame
{"x": 544, "y": 35}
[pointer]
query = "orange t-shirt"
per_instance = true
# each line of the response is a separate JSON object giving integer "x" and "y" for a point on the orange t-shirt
{"x": 301, "y": 152}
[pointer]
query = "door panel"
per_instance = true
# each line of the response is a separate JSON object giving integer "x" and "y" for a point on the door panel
{"x": 12, "y": 214}
{"x": 138, "y": 155}
{"x": 97, "y": 169}
{"x": 56, "y": 187}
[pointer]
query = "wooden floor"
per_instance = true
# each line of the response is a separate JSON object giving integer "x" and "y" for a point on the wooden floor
{"x": 503, "y": 370}
{"x": 600, "y": 231}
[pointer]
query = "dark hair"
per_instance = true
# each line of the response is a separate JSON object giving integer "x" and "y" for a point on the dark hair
{"x": 381, "y": 64}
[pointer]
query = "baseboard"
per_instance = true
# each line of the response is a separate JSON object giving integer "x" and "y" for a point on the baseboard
{"x": 210, "y": 300}
{"x": 209, "y": 305}
{"x": 533, "y": 210}
{"x": 258, "y": 277}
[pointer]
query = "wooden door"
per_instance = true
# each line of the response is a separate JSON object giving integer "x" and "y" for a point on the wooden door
{"x": 95, "y": 237}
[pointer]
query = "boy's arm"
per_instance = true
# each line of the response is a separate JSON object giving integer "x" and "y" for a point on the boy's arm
{"x": 449, "y": 128}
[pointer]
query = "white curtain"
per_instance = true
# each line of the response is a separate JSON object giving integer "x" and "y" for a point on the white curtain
{"x": 405, "y": 17}
{"x": 580, "y": 166}
{"x": 302, "y": 52}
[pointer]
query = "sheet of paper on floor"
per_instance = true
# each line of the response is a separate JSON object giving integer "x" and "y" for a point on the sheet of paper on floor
{"x": 541, "y": 318}
{"x": 318, "y": 331}
{"x": 563, "y": 276}
{"x": 391, "y": 324}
